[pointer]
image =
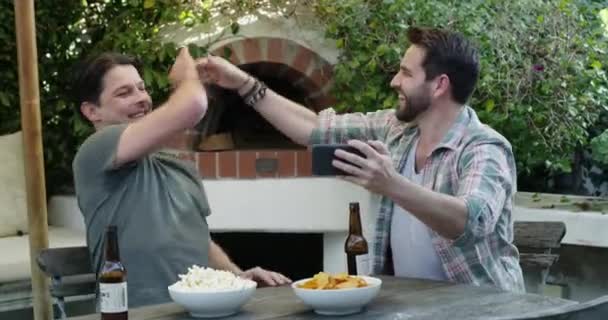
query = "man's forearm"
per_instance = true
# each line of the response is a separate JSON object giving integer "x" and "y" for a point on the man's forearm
{"x": 185, "y": 107}
{"x": 218, "y": 259}
{"x": 294, "y": 120}
{"x": 445, "y": 214}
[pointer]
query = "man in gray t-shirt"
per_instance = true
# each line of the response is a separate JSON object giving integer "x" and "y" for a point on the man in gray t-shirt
{"x": 122, "y": 178}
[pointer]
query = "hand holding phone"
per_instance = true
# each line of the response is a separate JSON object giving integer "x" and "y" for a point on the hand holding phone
{"x": 323, "y": 155}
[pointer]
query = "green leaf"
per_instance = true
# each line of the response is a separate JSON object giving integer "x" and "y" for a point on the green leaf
{"x": 489, "y": 105}
{"x": 227, "y": 53}
{"x": 188, "y": 22}
{"x": 234, "y": 27}
{"x": 382, "y": 49}
{"x": 4, "y": 99}
{"x": 596, "y": 64}
{"x": 148, "y": 76}
{"x": 149, "y": 4}
{"x": 371, "y": 66}
{"x": 389, "y": 102}
{"x": 540, "y": 19}
{"x": 340, "y": 43}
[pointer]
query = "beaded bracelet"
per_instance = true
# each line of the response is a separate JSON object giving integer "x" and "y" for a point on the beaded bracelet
{"x": 251, "y": 90}
{"x": 255, "y": 94}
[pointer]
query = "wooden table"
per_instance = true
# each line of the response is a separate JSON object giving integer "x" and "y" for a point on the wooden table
{"x": 399, "y": 298}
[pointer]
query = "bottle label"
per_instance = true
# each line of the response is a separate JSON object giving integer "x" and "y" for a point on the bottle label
{"x": 113, "y": 297}
{"x": 363, "y": 264}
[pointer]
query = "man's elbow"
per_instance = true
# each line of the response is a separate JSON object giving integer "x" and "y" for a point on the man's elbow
{"x": 195, "y": 110}
{"x": 458, "y": 224}
{"x": 457, "y": 230}
{"x": 190, "y": 103}
{"x": 474, "y": 230}
{"x": 304, "y": 137}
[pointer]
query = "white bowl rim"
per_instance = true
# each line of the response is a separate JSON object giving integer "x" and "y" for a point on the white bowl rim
{"x": 174, "y": 287}
{"x": 375, "y": 282}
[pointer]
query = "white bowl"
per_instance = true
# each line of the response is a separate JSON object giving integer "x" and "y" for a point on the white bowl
{"x": 207, "y": 303}
{"x": 338, "y": 301}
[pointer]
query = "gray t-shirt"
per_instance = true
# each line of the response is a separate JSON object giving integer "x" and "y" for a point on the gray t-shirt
{"x": 158, "y": 205}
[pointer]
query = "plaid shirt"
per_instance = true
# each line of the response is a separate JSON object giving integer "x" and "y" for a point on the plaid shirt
{"x": 474, "y": 163}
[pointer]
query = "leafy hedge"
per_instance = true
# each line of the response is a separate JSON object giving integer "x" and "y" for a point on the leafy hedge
{"x": 67, "y": 31}
{"x": 543, "y": 82}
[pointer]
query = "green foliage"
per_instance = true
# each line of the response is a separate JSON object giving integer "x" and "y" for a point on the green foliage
{"x": 68, "y": 31}
{"x": 545, "y": 114}
{"x": 543, "y": 81}
{"x": 54, "y": 39}
{"x": 599, "y": 148}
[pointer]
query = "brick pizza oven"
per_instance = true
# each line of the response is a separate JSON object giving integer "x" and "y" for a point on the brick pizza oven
{"x": 233, "y": 140}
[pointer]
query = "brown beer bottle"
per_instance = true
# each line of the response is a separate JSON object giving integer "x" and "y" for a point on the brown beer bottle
{"x": 113, "y": 281}
{"x": 355, "y": 245}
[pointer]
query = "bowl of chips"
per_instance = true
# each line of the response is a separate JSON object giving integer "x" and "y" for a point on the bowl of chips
{"x": 338, "y": 294}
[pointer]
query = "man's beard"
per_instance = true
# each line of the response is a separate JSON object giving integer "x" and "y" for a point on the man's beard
{"x": 414, "y": 106}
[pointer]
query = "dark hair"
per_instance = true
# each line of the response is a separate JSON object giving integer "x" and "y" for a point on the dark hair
{"x": 448, "y": 53}
{"x": 87, "y": 80}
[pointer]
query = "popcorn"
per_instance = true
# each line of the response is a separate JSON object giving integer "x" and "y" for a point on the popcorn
{"x": 203, "y": 278}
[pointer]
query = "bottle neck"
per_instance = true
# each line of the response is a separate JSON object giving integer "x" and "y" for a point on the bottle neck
{"x": 112, "y": 253}
{"x": 354, "y": 226}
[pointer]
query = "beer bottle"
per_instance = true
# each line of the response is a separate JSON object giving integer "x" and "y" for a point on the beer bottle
{"x": 113, "y": 281}
{"x": 355, "y": 245}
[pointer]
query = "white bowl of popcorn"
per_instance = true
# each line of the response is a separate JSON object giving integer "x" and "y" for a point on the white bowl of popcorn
{"x": 209, "y": 293}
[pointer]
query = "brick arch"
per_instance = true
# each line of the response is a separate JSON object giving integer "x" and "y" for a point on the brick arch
{"x": 278, "y": 58}
{"x": 288, "y": 59}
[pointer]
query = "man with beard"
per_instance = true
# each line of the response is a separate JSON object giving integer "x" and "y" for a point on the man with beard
{"x": 447, "y": 181}
{"x": 122, "y": 178}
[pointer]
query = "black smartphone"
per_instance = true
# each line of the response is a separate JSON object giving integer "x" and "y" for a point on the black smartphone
{"x": 323, "y": 155}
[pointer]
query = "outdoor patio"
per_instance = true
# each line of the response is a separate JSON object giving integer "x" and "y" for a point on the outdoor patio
{"x": 543, "y": 86}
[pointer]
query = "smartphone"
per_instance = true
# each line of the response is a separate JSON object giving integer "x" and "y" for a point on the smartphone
{"x": 323, "y": 155}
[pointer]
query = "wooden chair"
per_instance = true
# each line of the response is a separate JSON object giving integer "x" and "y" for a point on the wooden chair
{"x": 70, "y": 272}
{"x": 537, "y": 243}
